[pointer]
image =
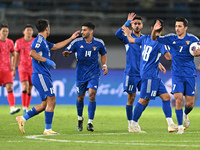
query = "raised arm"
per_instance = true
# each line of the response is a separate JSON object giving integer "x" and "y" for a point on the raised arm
{"x": 196, "y": 52}
{"x": 65, "y": 42}
{"x": 128, "y": 34}
{"x": 157, "y": 26}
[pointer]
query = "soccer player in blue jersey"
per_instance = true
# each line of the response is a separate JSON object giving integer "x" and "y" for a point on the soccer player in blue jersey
{"x": 151, "y": 84}
{"x": 41, "y": 77}
{"x": 183, "y": 68}
{"x": 132, "y": 77}
{"x": 87, "y": 48}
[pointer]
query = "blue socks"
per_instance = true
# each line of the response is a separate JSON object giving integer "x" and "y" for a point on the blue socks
{"x": 79, "y": 106}
{"x": 30, "y": 114}
{"x": 48, "y": 119}
{"x": 129, "y": 112}
{"x": 179, "y": 115}
{"x": 139, "y": 108}
{"x": 167, "y": 109}
{"x": 187, "y": 110}
{"x": 91, "y": 109}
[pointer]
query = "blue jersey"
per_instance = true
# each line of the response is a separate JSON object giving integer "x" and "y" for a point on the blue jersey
{"x": 151, "y": 53}
{"x": 42, "y": 47}
{"x": 133, "y": 54}
{"x": 182, "y": 60}
{"x": 87, "y": 57}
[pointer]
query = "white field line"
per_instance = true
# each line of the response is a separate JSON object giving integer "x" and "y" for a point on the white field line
{"x": 139, "y": 143}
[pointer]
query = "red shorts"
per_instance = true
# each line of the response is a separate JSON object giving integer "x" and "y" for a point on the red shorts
{"x": 6, "y": 77}
{"x": 24, "y": 76}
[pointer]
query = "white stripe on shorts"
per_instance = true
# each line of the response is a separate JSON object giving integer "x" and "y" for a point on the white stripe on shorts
{"x": 149, "y": 86}
{"x": 127, "y": 78}
{"x": 44, "y": 86}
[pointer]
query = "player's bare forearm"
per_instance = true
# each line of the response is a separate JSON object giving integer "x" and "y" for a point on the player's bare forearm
{"x": 65, "y": 42}
{"x": 162, "y": 68}
{"x": 128, "y": 34}
{"x": 16, "y": 59}
{"x": 36, "y": 56}
{"x": 153, "y": 35}
{"x": 104, "y": 65}
{"x": 13, "y": 61}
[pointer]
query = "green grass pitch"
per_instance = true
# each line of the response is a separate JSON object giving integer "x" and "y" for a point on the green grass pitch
{"x": 110, "y": 125}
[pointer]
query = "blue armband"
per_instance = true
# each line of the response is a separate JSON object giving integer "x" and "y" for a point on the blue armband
{"x": 51, "y": 63}
{"x": 127, "y": 23}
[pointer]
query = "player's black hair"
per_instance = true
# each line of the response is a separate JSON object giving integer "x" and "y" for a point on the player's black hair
{"x": 182, "y": 19}
{"x": 41, "y": 25}
{"x": 28, "y": 26}
{"x": 137, "y": 17}
{"x": 4, "y": 25}
{"x": 89, "y": 24}
{"x": 161, "y": 22}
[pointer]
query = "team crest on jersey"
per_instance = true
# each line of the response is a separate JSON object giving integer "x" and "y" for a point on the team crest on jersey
{"x": 187, "y": 42}
{"x": 94, "y": 48}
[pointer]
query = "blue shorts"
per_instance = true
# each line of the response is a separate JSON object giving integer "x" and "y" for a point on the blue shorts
{"x": 151, "y": 88}
{"x": 183, "y": 85}
{"x": 131, "y": 83}
{"x": 44, "y": 85}
{"x": 82, "y": 87}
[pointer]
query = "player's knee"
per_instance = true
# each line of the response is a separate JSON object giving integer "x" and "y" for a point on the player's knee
{"x": 92, "y": 97}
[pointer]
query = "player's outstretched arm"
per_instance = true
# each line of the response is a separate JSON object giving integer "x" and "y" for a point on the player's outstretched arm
{"x": 157, "y": 26}
{"x": 128, "y": 34}
{"x": 66, "y": 53}
{"x": 37, "y": 57}
{"x": 162, "y": 68}
{"x": 65, "y": 42}
{"x": 103, "y": 61}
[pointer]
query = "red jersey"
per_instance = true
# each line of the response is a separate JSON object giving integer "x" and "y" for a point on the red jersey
{"x": 6, "y": 47}
{"x": 25, "y": 61}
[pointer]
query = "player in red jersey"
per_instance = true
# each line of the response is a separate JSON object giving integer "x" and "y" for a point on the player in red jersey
{"x": 22, "y": 50}
{"x": 7, "y": 71}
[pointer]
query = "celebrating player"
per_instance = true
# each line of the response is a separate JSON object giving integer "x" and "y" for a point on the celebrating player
{"x": 183, "y": 68}
{"x": 87, "y": 49}
{"x": 41, "y": 77}
{"x": 151, "y": 84}
{"x": 22, "y": 50}
{"x": 7, "y": 69}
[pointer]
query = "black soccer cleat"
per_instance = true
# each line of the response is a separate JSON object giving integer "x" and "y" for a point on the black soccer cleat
{"x": 80, "y": 125}
{"x": 90, "y": 127}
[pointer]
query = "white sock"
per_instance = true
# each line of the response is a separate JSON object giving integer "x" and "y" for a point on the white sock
{"x": 129, "y": 122}
{"x": 90, "y": 121}
{"x": 133, "y": 123}
{"x": 80, "y": 118}
{"x": 169, "y": 121}
{"x": 180, "y": 126}
{"x": 23, "y": 119}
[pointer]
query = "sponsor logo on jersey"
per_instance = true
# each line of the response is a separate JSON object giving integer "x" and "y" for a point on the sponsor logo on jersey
{"x": 187, "y": 42}
{"x": 81, "y": 46}
{"x": 37, "y": 45}
{"x": 94, "y": 48}
{"x": 174, "y": 42}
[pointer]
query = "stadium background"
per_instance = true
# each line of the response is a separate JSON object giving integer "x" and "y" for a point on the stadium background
{"x": 108, "y": 15}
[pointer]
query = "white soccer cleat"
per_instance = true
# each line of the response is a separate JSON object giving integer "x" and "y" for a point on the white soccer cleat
{"x": 180, "y": 130}
{"x": 186, "y": 121}
{"x": 172, "y": 127}
{"x": 136, "y": 129}
{"x": 14, "y": 110}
